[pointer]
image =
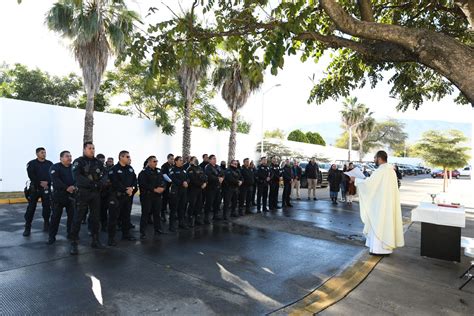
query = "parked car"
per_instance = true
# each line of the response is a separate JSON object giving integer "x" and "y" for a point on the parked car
{"x": 440, "y": 174}
{"x": 465, "y": 172}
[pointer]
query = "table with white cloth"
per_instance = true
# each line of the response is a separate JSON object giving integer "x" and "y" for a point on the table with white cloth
{"x": 440, "y": 230}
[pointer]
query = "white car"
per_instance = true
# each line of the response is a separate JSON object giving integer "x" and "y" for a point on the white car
{"x": 465, "y": 172}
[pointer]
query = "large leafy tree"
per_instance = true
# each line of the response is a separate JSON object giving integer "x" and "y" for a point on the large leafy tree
{"x": 444, "y": 149}
{"x": 423, "y": 49}
{"x": 237, "y": 81}
{"x": 19, "y": 82}
{"x": 298, "y": 136}
{"x": 315, "y": 138}
{"x": 97, "y": 29}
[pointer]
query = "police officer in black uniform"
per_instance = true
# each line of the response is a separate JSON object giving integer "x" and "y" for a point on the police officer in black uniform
{"x": 245, "y": 190}
{"x": 214, "y": 181}
{"x": 165, "y": 170}
{"x": 287, "y": 175}
{"x": 63, "y": 194}
{"x": 197, "y": 183}
{"x": 152, "y": 185}
{"x": 275, "y": 174}
{"x": 104, "y": 195}
{"x": 40, "y": 187}
{"x": 232, "y": 181}
{"x": 89, "y": 176}
{"x": 178, "y": 194}
{"x": 124, "y": 183}
{"x": 263, "y": 179}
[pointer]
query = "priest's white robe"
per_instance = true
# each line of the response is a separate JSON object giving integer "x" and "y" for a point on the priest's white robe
{"x": 380, "y": 210}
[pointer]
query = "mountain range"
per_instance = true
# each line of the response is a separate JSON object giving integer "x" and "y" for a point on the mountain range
{"x": 330, "y": 131}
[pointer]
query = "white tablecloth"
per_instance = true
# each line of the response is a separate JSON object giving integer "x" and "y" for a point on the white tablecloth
{"x": 434, "y": 214}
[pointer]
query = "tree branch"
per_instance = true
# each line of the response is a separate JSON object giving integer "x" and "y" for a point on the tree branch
{"x": 372, "y": 51}
{"x": 467, "y": 7}
{"x": 366, "y": 11}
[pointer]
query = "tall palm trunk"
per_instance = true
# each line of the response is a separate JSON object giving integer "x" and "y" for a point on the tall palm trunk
{"x": 187, "y": 128}
{"x": 233, "y": 136}
{"x": 361, "y": 149}
{"x": 89, "y": 118}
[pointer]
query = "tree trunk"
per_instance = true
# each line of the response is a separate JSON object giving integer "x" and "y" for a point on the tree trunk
{"x": 187, "y": 128}
{"x": 445, "y": 176}
{"x": 89, "y": 118}
{"x": 361, "y": 149}
{"x": 232, "y": 137}
{"x": 442, "y": 53}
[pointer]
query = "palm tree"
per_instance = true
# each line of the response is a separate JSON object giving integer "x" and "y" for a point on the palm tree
{"x": 189, "y": 76}
{"x": 352, "y": 115}
{"x": 237, "y": 84}
{"x": 97, "y": 29}
{"x": 363, "y": 130}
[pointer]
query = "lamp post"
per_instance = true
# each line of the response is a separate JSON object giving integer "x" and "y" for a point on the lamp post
{"x": 263, "y": 103}
{"x": 350, "y": 139}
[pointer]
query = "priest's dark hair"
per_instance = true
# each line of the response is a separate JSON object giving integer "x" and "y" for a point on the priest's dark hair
{"x": 382, "y": 155}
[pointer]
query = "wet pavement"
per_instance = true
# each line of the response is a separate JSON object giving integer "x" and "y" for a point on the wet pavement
{"x": 226, "y": 268}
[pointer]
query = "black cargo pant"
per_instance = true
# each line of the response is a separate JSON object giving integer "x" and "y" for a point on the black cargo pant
{"x": 61, "y": 200}
{"x": 151, "y": 204}
{"x": 119, "y": 208}
{"x": 177, "y": 200}
{"x": 104, "y": 205}
{"x": 165, "y": 201}
{"x": 286, "y": 192}
{"x": 86, "y": 200}
{"x": 212, "y": 202}
{"x": 262, "y": 196}
{"x": 194, "y": 211}
{"x": 245, "y": 198}
{"x": 35, "y": 194}
{"x": 230, "y": 201}
{"x": 273, "y": 196}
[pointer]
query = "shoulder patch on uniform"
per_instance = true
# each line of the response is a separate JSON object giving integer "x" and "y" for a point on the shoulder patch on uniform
{"x": 53, "y": 171}
{"x": 111, "y": 172}
{"x": 97, "y": 170}
{"x": 130, "y": 169}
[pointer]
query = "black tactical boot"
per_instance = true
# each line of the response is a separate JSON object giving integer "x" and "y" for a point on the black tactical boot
{"x": 74, "y": 250}
{"x": 96, "y": 242}
{"x": 27, "y": 231}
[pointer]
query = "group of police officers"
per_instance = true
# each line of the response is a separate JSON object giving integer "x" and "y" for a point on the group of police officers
{"x": 193, "y": 192}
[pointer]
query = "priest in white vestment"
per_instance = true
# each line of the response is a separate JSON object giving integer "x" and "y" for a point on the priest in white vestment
{"x": 380, "y": 209}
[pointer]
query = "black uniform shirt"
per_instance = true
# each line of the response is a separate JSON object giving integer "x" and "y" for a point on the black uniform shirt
{"x": 88, "y": 173}
{"x": 178, "y": 175}
{"x": 263, "y": 172}
{"x": 275, "y": 173}
{"x": 248, "y": 176}
{"x": 61, "y": 177}
{"x": 287, "y": 173}
{"x": 196, "y": 176}
{"x": 122, "y": 177}
{"x": 38, "y": 171}
{"x": 213, "y": 173}
{"x": 232, "y": 177}
{"x": 150, "y": 179}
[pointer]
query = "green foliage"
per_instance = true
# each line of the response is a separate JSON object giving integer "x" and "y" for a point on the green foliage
{"x": 298, "y": 136}
{"x": 19, "y": 82}
{"x": 276, "y": 149}
{"x": 315, "y": 138}
{"x": 270, "y": 31}
{"x": 276, "y": 133}
{"x": 443, "y": 149}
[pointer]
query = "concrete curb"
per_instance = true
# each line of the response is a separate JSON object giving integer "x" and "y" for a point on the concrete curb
{"x": 334, "y": 289}
{"x": 13, "y": 201}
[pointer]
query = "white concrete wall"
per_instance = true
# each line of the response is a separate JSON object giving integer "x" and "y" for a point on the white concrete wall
{"x": 28, "y": 125}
